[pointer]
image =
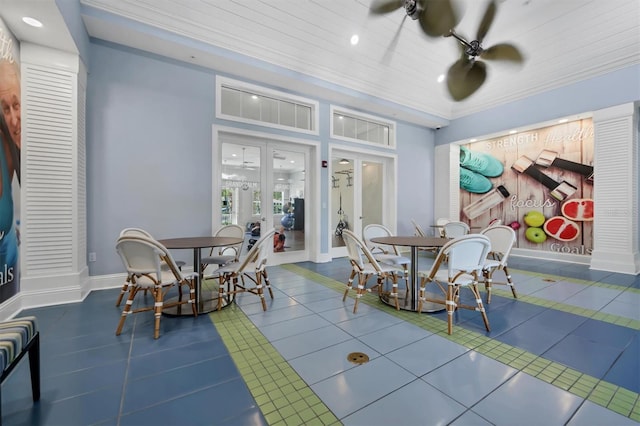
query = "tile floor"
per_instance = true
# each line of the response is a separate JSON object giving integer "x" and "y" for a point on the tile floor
{"x": 566, "y": 352}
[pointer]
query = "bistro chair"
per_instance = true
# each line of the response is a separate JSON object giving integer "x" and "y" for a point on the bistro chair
{"x": 143, "y": 258}
{"x": 249, "y": 275}
{"x": 465, "y": 257}
{"x": 440, "y": 223}
{"x": 385, "y": 253}
{"x": 364, "y": 265}
{"x": 223, "y": 255}
{"x": 418, "y": 229}
{"x": 502, "y": 238}
{"x": 133, "y": 232}
{"x": 455, "y": 229}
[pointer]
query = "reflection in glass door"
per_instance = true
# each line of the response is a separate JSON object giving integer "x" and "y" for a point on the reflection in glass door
{"x": 357, "y": 193}
{"x": 258, "y": 194}
{"x": 240, "y": 192}
{"x": 288, "y": 189}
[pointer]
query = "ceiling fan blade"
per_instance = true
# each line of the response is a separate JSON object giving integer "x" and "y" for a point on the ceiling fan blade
{"x": 503, "y": 52}
{"x": 487, "y": 20}
{"x": 386, "y": 59}
{"x": 385, "y": 6}
{"x": 438, "y": 17}
{"x": 465, "y": 77}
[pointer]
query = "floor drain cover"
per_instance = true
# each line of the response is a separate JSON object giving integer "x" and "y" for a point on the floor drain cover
{"x": 358, "y": 357}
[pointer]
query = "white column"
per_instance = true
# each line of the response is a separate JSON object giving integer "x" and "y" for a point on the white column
{"x": 53, "y": 220}
{"x": 616, "y": 192}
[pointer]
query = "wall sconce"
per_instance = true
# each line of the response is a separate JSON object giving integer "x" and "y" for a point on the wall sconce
{"x": 343, "y": 161}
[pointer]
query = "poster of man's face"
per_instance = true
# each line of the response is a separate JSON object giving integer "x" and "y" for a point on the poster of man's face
{"x": 10, "y": 148}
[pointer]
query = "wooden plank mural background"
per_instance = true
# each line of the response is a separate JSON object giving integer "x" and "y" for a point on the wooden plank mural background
{"x": 572, "y": 141}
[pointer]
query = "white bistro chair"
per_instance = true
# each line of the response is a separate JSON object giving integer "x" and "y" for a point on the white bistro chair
{"x": 143, "y": 258}
{"x": 364, "y": 265}
{"x": 465, "y": 257}
{"x": 502, "y": 238}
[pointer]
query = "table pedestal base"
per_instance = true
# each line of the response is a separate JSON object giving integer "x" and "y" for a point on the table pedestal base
{"x": 208, "y": 303}
{"x": 406, "y": 302}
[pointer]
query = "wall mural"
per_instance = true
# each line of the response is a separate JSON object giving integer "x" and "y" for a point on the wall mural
{"x": 10, "y": 143}
{"x": 538, "y": 182}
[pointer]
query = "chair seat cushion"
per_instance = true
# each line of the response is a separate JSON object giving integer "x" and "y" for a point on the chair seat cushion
{"x": 392, "y": 259}
{"x": 167, "y": 278}
{"x": 14, "y": 336}
{"x": 491, "y": 264}
{"x": 443, "y": 277}
{"x": 218, "y": 260}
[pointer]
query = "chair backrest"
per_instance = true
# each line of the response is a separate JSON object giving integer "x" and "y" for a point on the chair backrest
{"x": 139, "y": 256}
{"x": 463, "y": 254}
{"x": 495, "y": 222}
{"x": 358, "y": 252}
{"x": 502, "y": 238}
{"x": 456, "y": 229}
{"x": 376, "y": 230}
{"x": 145, "y": 255}
{"x": 419, "y": 231}
{"x": 258, "y": 253}
{"x": 135, "y": 232}
{"x": 234, "y": 231}
{"x": 440, "y": 222}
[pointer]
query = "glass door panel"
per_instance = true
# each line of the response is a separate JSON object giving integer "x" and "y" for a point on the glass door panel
{"x": 288, "y": 200}
{"x": 372, "y": 193}
{"x": 342, "y": 198}
{"x": 241, "y": 183}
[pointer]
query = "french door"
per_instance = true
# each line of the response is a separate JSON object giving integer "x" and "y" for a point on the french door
{"x": 262, "y": 185}
{"x": 362, "y": 191}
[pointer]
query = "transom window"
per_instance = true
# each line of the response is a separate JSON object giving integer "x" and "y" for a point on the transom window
{"x": 239, "y": 101}
{"x": 360, "y": 127}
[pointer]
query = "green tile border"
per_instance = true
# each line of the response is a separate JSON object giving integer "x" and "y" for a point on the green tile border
{"x": 610, "y": 396}
{"x": 283, "y": 397}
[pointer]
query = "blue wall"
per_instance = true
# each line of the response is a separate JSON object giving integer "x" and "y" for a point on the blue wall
{"x": 149, "y": 159}
{"x": 619, "y": 87}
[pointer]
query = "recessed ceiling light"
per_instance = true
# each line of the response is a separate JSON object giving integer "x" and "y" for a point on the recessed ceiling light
{"x": 32, "y": 21}
{"x": 440, "y": 78}
{"x": 355, "y": 39}
{"x": 564, "y": 120}
{"x": 473, "y": 140}
{"x": 513, "y": 132}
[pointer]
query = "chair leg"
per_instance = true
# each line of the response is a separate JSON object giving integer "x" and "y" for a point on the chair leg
{"x": 34, "y": 366}
{"x": 267, "y": 283}
{"x": 260, "y": 290}
{"x": 394, "y": 290}
{"x": 362, "y": 280}
{"x": 421, "y": 294}
{"x": 221, "y": 293}
{"x": 127, "y": 309}
{"x": 452, "y": 290}
{"x": 349, "y": 285}
{"x": 157, "y": 310}
{"x": 125, "y": 288}
{"x": 510, "y": 281}
{"x": 476, "y": 293}
{"x": 488, "y": 280}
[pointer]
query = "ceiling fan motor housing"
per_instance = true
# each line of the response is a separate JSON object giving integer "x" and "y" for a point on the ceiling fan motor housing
{"x": 411, "y": 7}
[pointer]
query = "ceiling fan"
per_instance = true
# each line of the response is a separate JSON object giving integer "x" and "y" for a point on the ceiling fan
{"x": 436, "y": 17}
{"x": 468, "y": 73}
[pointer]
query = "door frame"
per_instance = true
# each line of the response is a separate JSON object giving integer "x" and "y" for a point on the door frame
{"x": 390, "y": 177}
{"x": 312, "y": 186}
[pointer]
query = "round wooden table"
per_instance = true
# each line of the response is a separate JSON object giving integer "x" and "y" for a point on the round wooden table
{"x": 205, "y": 302}
{"x": 409, "y": 300}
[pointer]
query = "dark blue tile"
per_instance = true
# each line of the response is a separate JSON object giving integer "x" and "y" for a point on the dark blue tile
{"x": 583, "y": 355}
{"x": 177, "y": 380}
{"x": 82, "y": 410}
{"x": 84, "y": 381}
{"x": 606, "y": 333}
{"x": 626, "y": 370}
{"x": 230, "y": 403}
{"x": 158, "y": 361}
